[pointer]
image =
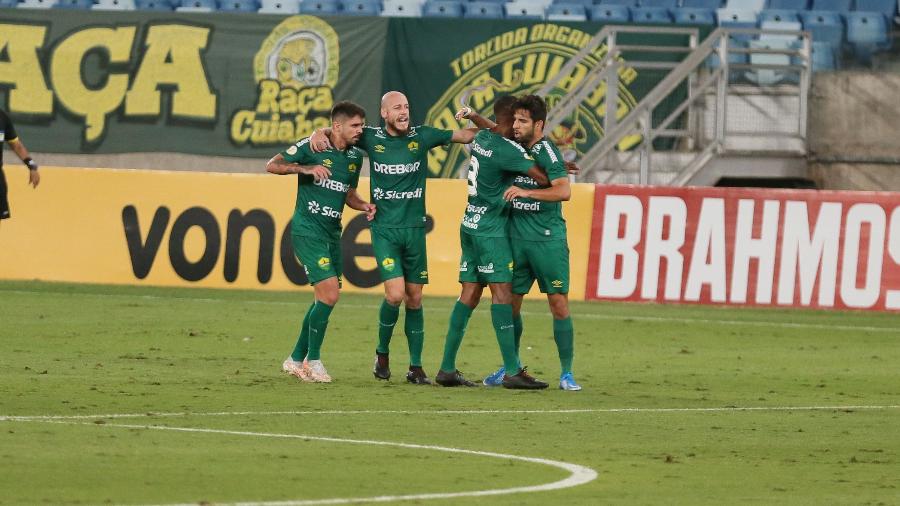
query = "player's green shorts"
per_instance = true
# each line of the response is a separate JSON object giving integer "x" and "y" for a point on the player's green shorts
{"x": 485, "y": 259}
{"x": 547, "y": 262}
{"x": 400, "y": 252}
{"x": 321, "y": 258}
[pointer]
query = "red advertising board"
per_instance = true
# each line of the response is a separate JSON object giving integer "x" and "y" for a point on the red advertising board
{"x": 742, "y": 246}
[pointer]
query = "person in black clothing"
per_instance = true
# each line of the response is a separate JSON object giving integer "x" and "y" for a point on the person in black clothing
{"x": 8, "y": 134}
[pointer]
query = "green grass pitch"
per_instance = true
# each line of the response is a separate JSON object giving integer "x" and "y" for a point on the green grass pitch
{"x": 654, "y": 420}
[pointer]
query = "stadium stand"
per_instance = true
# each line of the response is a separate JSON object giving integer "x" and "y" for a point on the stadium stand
{"x": 321, "y": 7}
{"x": 361, "y": 8}
{"x": 36, "y": 4}
{"x": 842, "y": 6}
{"x": 197, "y": 6}
{"x": 74, "y": 4}
{"x": 238, "y": 5}
{"x": 825, "y": 27}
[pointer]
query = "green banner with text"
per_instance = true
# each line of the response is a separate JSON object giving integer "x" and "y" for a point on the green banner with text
{"x": 210, "y": 84}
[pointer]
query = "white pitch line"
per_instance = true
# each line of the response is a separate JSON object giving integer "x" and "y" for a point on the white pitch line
{"x": 438, "y": 412}
{"x": 580, "y": 316}
{"x": 578, "y": 475}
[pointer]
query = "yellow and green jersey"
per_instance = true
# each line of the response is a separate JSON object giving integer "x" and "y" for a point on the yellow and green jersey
{"x": 320, "y": 205}
{"x": 534, "y": 220}
{"x": 398, "y": 171}
{"x": 495, "y": 161}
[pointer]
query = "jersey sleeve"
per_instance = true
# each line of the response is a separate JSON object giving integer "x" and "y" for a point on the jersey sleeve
{"x": 433, "y": 137}
{"x": 366, "y": 140}
{"x": 6, "y": 125}
{"x": 300, "y": 153}
{"x": 515, "y": 158}
{"x": 552, "y": 161}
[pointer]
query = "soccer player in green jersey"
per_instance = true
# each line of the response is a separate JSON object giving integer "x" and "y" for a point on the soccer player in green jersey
{"x": 486, "y": 255}
{"x": 537, "y": 233}
{"x": 398, "y": 160}
{"x": 325, "y": 182}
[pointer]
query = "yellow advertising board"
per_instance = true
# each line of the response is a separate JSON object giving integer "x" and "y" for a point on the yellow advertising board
{"x": 213, "y": 230}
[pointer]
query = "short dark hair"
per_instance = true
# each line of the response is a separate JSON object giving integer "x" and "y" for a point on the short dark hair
{"x": 347, "y": 109}
{"x": 535, "y": 105}
{"x": 503, "y": 106}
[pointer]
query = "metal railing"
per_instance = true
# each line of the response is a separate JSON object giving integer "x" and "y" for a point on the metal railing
{"x": 702, "y": 87}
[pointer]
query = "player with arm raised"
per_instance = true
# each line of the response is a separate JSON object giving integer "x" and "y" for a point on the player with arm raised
{"x": 398, "y": 161}
{"x": 326, "y": 181}
{"x": 486, "y": 257}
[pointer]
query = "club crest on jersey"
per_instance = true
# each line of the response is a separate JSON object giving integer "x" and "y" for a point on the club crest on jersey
{"x": 324, "y": 263}
{"x": 379, "y": 148}
{"x": 556, "y": 283}
{"x": 328, "y": 163}
{"x": 352, "y": 168}
{"x": 413, "y": 146}
{"x": 292, "y": 150}
{"x": 388, "y": 264}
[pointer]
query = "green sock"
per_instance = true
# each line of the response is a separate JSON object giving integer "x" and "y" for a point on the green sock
{"x": 302, "y": 346}
{"x": 459, "y": 318}
{"x": 414, "y": 326}
{"x": 387, "y": 318}
{"x": 564, "y": 336}
{"x": 318, "y": 322}
{"x": 501, "y": 317}
{"x": 518, "y": 328}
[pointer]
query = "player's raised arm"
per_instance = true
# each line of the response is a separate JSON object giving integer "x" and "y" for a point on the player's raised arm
{"x": 478, "y": 120}
{"x": 558, "y": 191}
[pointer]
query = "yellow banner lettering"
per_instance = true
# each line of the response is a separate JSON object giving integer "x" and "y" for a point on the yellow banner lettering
{"x": 29, "y": 93}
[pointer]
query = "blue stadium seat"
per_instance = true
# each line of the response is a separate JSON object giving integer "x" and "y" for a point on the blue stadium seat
{"x": 443, "y": 9}
{"x": 279, "y": 7}
{"x": 823, "y": 57}
{"x": 321, "y": 7}
{"x": 610, "y": 13}
{"x": 690, "y": 16}
{"x": 651, "y": 15}
{"x": 480, "y": 9}
{"x": 627, "y": 3}
{"x": 788, "y": 5}
{"x": 74, "y": 4}
{"x": 586, "y": 3}
{"x": 238, "y": 5}
{"x": 153, "y": 5}
{"x": 524, "y": 9}
{"x": 566, "y": 12}
{"x": 361, "y": 8}
{"x": 779, "y": 15}
{"x": 737, "y": 19}
{"x": 841, "y": 6}
{"x": 824, "y": 27}
{"x": 197, "y": 6}
{"x": 36, "y": 4}
{"x": 886, "y": 7}
{"x": 402, "y": 8}
{"x": 114, "y": 5}
{"x": 665, "y": 4}
{"x": 746, "y": 5}
{"x": 867, "y": 31}
{"x": 701, "y": 4}
{"x": 8, "y": 4}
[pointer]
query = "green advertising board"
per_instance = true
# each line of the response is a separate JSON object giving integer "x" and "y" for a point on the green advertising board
{"x": 245, "y": 85}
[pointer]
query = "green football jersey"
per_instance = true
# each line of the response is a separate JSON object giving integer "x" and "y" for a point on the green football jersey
{"x": 320, "y": 206}
{"x": 494, "y": 161}
{"x": 398, "y": 170}
{"x": 532, "y": 219}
